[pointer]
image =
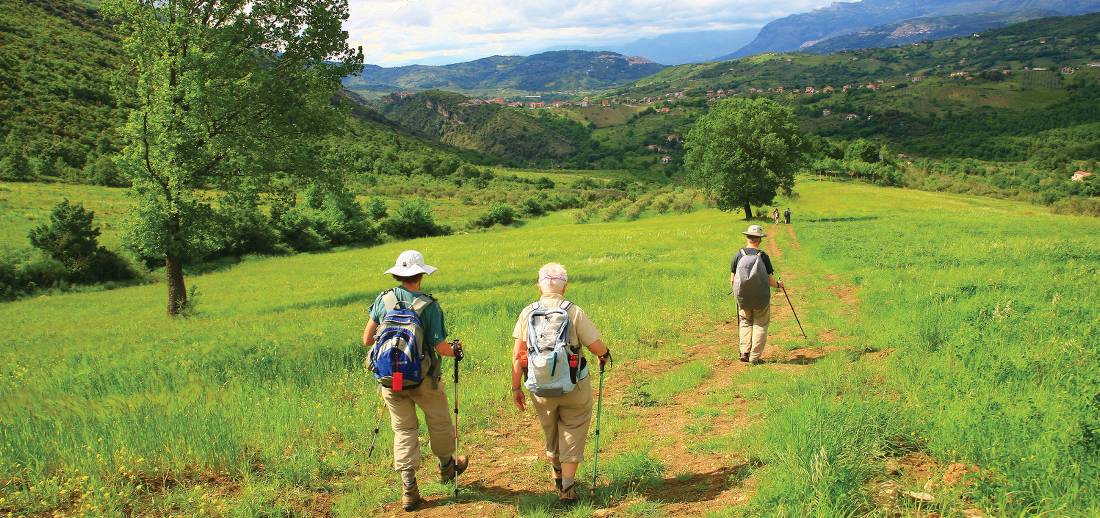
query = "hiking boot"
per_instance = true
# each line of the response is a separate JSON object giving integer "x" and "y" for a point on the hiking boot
{"x": 410, "y": 498}
{"x": 757, "y": 361}
{"x": 453, "y": 469}
{"x": 568, "y": 496}
{"x": 745, "y": 357}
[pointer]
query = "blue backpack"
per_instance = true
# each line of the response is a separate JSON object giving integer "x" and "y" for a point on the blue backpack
{"x": 397, "y": 358}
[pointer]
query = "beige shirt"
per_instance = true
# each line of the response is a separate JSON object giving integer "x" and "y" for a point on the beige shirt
{"x": 581, "y": 329}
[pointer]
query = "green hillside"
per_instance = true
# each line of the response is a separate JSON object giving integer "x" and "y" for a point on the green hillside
{"x": 59, "y": 59}
{"x": 508, "y": 135}
{"x": 56, "y": 106}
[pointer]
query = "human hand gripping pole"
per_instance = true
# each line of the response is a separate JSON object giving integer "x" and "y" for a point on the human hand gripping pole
{"x": 456, "y": 347}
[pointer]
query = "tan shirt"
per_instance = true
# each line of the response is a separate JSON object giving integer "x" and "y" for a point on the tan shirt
{"x": 581, "y": 329}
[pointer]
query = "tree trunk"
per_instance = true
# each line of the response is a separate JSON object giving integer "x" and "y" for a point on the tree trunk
{"x": 177, "y": 292}
{"x": 748, "y": 211}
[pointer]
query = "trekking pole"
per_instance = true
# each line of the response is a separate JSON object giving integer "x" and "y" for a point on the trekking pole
{"x": 456, "y": 346}
{"x": 795, "y": 313}
{"x": 599, "y": 411}
{"x": 377, "y": 427}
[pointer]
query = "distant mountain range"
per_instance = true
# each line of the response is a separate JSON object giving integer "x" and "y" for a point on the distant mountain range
{"x": 679, "y": 48}
{"x": 556, "y": 71}
{"x": 805, "y": 30}
{"x": 922, "y": 29}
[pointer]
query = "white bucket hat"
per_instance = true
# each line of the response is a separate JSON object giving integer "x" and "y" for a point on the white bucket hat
{"x": 410, "y": 263}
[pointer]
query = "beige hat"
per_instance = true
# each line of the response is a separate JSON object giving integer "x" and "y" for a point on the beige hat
{"x": 755, "y": 231}
{"x": 410, "y": 263}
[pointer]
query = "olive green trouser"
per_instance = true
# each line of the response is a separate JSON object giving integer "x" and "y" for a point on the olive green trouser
{"x": 753, "y": 326}
{"x": 431, "y": 399}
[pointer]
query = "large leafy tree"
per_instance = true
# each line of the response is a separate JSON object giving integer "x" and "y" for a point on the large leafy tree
{"x": 744, "y": 151}
{"x": 228, "y": 95}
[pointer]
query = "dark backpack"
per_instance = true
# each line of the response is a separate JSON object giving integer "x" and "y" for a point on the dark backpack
{"x": 751, "y": 286}
{"x": 397, "y": 358}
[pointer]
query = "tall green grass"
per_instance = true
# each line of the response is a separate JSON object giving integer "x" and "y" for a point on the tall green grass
{"x": 989, "y": 309}
{"x": 266, "y": 385}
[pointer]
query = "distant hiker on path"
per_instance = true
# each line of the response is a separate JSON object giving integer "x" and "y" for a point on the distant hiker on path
{"x": 775, "y": 215}
{"x": 548, "y": 355}
{"x": 787, "y": 215}
{"x": 404, "y": 325}
{"x": 750, "y": 277}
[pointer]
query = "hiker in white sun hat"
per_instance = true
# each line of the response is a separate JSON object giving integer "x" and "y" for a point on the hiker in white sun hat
{"x": 751, "y": 274}
{"x": 407, "y": 338}
{"x": 410, "y": 263}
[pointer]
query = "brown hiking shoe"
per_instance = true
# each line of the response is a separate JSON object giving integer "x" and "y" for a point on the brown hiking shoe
{"x": 568, "y": 496}
{"x": 456, "y": 467}
{"x": 745, "y": 357}
{"x": 410, "y": 498}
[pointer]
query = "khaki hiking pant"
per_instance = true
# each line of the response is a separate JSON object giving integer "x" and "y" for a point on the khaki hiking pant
{"x": 753, "y": 326}
{"x": 431, "y": 399}
{"x": 565, "y": 421}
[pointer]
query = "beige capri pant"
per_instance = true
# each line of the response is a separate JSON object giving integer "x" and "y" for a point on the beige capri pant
{"x": 565, "y": 420}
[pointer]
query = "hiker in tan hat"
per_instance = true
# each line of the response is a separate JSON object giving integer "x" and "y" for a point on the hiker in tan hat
{"x": 549, "y": 360}
{"x": 407, "y": 338}
{"x": 751, "y": 275}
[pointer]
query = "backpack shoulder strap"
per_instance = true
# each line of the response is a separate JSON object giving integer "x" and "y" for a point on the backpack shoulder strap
{"x": 389, "y": 299}
{"x": 565, "y": 305}
{"x": 421, "y": 303}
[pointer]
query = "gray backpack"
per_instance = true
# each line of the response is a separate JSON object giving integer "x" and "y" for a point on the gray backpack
{"x": 751, "y": 285}
{"x": 553, "y": 365}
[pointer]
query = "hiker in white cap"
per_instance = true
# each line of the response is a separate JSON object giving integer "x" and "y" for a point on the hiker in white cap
{"x": 548, "y": 358}
{"x": 751, "y": 274}
{"x": 407, "y": 338}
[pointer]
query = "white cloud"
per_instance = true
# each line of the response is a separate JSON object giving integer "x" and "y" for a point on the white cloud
{"x": 396, "y": 32}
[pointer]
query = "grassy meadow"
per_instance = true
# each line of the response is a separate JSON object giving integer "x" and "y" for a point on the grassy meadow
{"x": 947, "y": 328}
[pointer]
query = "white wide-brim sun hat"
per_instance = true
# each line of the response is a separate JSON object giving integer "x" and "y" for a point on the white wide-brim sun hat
{"x": 410, "y": 263}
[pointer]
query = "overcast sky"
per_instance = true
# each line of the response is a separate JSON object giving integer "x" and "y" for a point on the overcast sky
{"x": 400, "y": 32}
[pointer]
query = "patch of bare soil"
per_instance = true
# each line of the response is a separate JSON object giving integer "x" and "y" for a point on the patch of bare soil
{"x": 793, "y": 237}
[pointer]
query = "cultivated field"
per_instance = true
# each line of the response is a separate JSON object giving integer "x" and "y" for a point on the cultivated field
{"x": 947, "y": 354}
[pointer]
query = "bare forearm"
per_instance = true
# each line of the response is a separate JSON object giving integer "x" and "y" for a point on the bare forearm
{"x": 517, "y": 363}
{"x": 517, "y": 374}
{"x": 598, "y": 348}
{"x": 368, "y": 333}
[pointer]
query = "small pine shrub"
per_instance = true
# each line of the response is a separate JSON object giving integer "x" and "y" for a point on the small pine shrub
{"x": 72, "y": 239}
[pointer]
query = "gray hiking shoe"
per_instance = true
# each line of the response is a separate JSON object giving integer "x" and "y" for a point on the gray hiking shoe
{"x": 410, "y": 498}
{"x": 456, "y": 467}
